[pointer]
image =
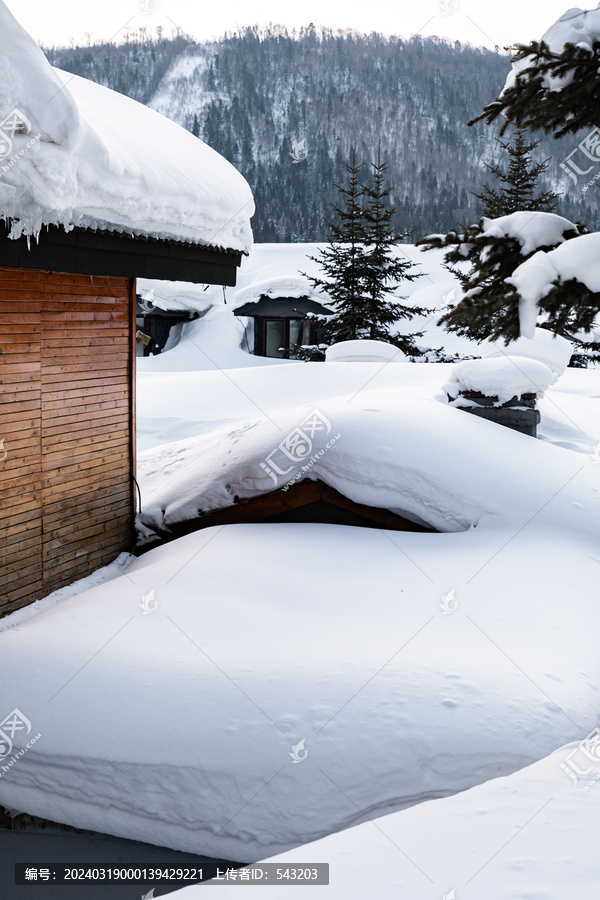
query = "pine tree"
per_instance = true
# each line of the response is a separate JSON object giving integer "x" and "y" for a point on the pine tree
{"x": 490, "y": 307}
{"x": 344, "y": 263}
{"x": 518, "y": 182}
{"x": 558, "y": 90}
{"x": 385, "y": 270}
{"x": 361, "y": 267}
{"x": 532, "y": 100}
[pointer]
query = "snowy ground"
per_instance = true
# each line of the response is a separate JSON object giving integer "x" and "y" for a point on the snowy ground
{"x": 527, "y": 836}
{"x": 171, "y": 690}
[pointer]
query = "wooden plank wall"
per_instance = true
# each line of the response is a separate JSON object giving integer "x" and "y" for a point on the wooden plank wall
{"x": 66, "y": 423}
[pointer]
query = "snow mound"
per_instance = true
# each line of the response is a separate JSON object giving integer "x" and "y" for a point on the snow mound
{"x": 551, "y": 349}
{"x": 94, "y": 158}
{"x": 172, "y": 696}
{"x": 364, "y": 351}
{"x": 287, "y": 286}
{"x": 217, "y": 340}
{"x": 415, "y": 456}
{"x": 531, "y": 229}
{"x": 461, "y": 847}
{"x": 503, "y": 378}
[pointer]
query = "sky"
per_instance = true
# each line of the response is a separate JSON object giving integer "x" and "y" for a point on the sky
{"x": 487, "y": 23}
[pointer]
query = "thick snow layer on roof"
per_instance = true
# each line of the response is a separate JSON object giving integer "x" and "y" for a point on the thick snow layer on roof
{"x": 97, "y": 159}
{"x": 577, "y": 259}
{"x": 532, "y": 834}
{"x": 551, "y": 349}
{"x": 504, "y": 378}
{"x": 395, "y": 447}
{"x": 531, "y": 229}
{"x": 181, "y": 296}
{"x": 280, "y": 287}
{"x": 172, "y": 696}
{"x": 364, "y": 351}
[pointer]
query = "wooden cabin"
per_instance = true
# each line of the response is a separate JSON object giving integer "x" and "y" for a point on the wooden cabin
{"x": 154, "y": 326}
{"x": 305, "y": 501}
{"x": 67, "y": 401}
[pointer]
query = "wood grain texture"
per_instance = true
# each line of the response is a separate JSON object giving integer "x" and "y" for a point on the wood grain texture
{"x": 67, "y": 356}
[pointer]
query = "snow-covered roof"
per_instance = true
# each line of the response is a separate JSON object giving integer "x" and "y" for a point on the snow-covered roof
{"x": 287, "y": 286}
{"x": 417, "y": 457}
{"x": 173, "y": 295}
{"x": 93, "y": 158}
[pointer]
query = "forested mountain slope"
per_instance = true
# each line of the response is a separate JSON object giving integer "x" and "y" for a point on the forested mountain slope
{"x": 254, "y": 95}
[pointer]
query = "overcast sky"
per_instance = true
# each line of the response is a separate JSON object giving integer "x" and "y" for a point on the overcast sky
{"x": 482, "y": 22}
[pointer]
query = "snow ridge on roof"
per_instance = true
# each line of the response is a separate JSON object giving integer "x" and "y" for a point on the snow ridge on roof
{"x": 90, "y": 157}
{"x": 293, "y": 286}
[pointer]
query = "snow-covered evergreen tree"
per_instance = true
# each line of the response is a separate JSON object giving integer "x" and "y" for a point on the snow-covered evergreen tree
{"x": 555, "y": 87}
{"x": 555, "y": 83}
{"x": 361, "y": 269}
{"x": 490, "y": 307}
{"x": 385, "y": 270}
{"x": 343, "y": 263}
{"x": 518, "y": 181}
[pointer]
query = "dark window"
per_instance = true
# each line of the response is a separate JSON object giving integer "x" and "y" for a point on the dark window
{"x": 274, "y": 337}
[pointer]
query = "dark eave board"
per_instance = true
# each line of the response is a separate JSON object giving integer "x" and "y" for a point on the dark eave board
{"x": 90, "y": 252}
{"x": 282, "y": 308}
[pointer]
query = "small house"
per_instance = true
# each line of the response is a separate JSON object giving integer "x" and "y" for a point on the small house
{"x": 282, "y": 313}
{"x": 305, "y": 501}
{"x": 154, "y": 325}
{"x": 95, "y": 191}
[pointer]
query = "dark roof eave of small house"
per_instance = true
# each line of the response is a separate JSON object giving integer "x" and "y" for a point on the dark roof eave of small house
{"x": 88, "y": 252}
{"x": 273, "y": 504}
{"x": 282, "y": 308}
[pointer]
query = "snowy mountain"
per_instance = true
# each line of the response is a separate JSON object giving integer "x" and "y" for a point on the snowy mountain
{"x": 255, "y": 95}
